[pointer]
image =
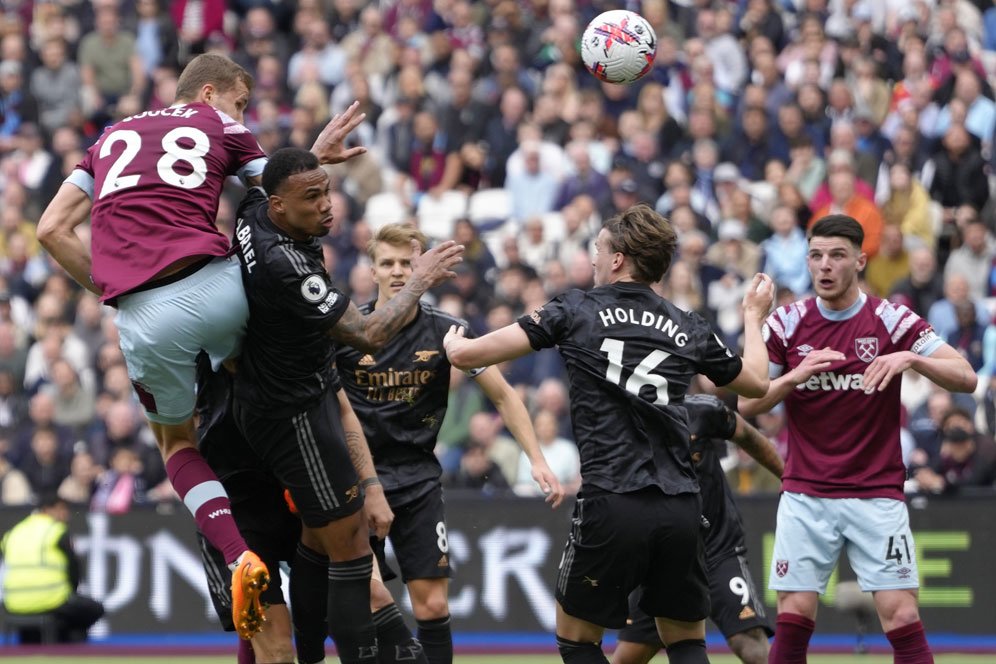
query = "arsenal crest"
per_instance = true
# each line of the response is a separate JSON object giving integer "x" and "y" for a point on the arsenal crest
{"x": 781, "y": 567}
{"x": 866, "y": 348}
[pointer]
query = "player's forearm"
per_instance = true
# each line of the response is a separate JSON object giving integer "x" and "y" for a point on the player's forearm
{"x": 778, "y": 389}
{"x": 356, "y": 442}
{"x": 370, "y": 333}
{"x": 755, "y": 360}
{"x": 756, "y": 444}
{"x": 515, "y": 416}
{"x": 952, "y": 373}
{"x": 57, "y": 233}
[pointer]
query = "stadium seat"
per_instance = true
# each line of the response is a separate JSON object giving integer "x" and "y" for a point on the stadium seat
{"x": 437, "y": 215}
{"x": 385, "y": 208}
{"x": 13, "y": 623}
{"x": 489, "y": 208}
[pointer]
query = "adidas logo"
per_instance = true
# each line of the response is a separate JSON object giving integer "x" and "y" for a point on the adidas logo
{"x": 747, "y": 613}
{"x": 443, "y": 561}
{"x": 366, "y": 361}
{"x": 217, "y": 513}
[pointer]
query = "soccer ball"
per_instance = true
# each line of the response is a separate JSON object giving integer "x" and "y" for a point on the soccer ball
{"x": 618, "y": 46}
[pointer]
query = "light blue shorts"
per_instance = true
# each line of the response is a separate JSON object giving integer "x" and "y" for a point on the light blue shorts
{"x": 163, "y": 329}
{"x": 812, "y": 531}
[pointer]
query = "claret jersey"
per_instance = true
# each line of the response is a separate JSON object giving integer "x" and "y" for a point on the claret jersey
{"x": 286, "y": 362}
{"x": 844, "y": 443}
{"x": 155, "y": 179}
{"x": 630, "y": 357}
{"x": 400, "y": 395}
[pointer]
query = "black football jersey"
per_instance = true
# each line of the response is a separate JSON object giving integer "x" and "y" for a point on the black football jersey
{"x": 286, "y": 362}
{"x": 400, "y": 395}
{"x": 630, "y": 356}
{"x": 711, "y": 424}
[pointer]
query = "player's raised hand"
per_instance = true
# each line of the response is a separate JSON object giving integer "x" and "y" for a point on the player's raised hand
{"x": 815, "y": 362}
{"x": 759, "y": 297}
{"x": 433, "y": 267}
{"x": 883, "y": 368}
{"x": 549, "y": 483}
{"x": 330, "y": 146}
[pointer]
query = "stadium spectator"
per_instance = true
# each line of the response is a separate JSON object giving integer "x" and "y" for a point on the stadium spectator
{"x": 891, "y": 265}
{"x": 967, "y": 458}
{"x": 973, "y": 259}
{"x": 846, "y": 199}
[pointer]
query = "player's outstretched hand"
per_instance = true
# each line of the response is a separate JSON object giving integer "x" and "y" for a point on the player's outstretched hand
{"x": 549, "y": 483}
{"x": 883, "y": 368}
{"x": 759, "y": 297}
{"x": 379, "y": 513}
{"x": 330, "y": 146}
{"x": 434, "y": 266}
{"x": 815, "y": 362}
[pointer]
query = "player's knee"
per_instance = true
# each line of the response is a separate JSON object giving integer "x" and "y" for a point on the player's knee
{"x": 432, "y": 606}
{"x": 580, "y": 652}
{"x": 751, "y": 647}
{"x": 380, "y": 596}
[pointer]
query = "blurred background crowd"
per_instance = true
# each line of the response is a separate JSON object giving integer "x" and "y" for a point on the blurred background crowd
{"x": 758, "y": 117}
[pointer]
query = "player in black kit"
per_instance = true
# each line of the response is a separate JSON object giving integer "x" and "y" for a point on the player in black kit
{"x": 736, "y": 608}
{"x": 283, "y": 402}
{"x": 630, "y": 357}
{"x": 400, "y": 395}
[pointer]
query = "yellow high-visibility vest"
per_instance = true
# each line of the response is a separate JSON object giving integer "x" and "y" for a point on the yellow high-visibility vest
{"x": 37, "y": 576}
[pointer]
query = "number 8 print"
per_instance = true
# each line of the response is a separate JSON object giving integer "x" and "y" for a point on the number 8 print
{"x": 441, "y": 540}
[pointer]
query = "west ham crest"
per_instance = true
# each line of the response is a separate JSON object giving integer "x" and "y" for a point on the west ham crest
{"x": 866, "y": 348}
{"x": 781, "y": 567}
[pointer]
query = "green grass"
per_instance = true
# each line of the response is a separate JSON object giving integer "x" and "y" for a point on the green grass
{"x": 485, "y": 659}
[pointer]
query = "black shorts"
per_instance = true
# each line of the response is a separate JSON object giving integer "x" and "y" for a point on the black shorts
{"x": 619, "y": 542}
{"x": 307, "y": 454}
{"x": 418, "y": 536}
{"x": 736, "y": 607}
{"x": 269, "y": 529}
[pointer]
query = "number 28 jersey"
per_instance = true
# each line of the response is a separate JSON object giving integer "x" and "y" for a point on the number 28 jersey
{"x": 155, "y": 179}
{"x": 630, "y": 357}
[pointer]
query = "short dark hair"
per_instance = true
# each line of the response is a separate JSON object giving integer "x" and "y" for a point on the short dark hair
{"x": 284, "y": 163}
{"x": 839, "y": 225}
{"x": 646, "y": 238}
{"x": 213, "y": 68}
{"x": 48, "y": 499}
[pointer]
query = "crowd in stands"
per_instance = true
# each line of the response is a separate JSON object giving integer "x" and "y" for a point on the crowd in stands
{"x": 758, "y": 117}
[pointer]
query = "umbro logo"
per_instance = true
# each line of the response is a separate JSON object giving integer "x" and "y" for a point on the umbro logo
{"x": 804, "y": 350}
{"x": 366, "y": 361}
{"x": 425, "y": 355}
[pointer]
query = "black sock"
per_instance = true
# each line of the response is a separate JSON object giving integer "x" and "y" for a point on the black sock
{"x": 350, "y": 623}
{"x": 395, "y": 642}
{"x": 689, "y": 651}
{"x": 575, "y": 652}
{"x": 437, "y": 640}
{"x": 309, "y": 601}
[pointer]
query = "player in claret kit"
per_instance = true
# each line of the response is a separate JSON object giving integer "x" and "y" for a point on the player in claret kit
{"x": 837, "y": 361}
{"x": 630, "y": 357}
{"x": 151, "y": 186}
{"x": 736, "y": 608}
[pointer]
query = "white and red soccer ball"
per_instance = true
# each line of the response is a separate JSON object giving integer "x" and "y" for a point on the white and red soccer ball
{"x": 619, "y": 46}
